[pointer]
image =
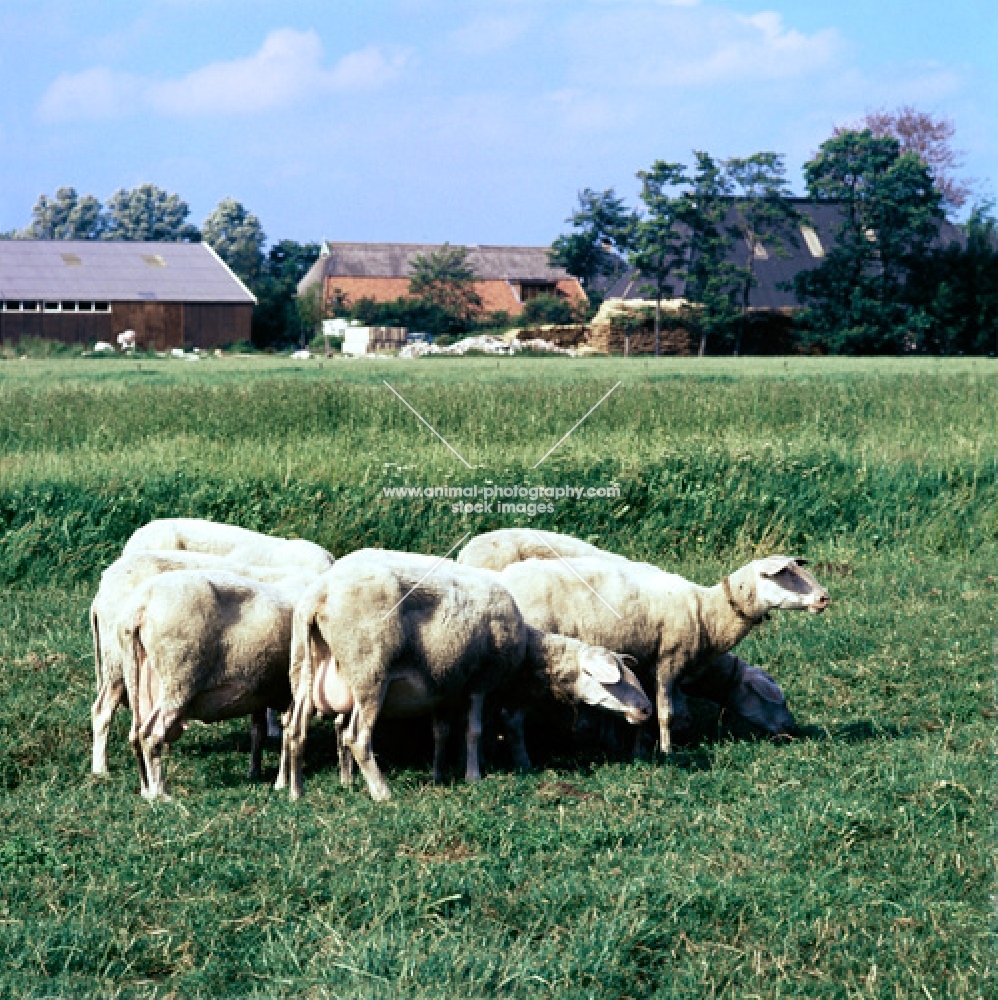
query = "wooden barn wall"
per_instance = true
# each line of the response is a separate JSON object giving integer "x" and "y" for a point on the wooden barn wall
{"x": 158, "y": 326}
{"x": 210, "y": 325}
{"x": 68, "y": 328}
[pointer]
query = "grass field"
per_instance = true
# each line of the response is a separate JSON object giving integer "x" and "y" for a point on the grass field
{"x": 856, "y": 861}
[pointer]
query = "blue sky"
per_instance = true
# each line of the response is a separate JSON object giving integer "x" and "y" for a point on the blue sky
{"x": 474, "y": 121}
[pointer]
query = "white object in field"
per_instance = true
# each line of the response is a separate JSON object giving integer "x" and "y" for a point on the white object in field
{"x": 178, "y": 352}
{"x": 103, "y": 346}
{"x": 359, "y": 341}
{"x": 302, "y": 355}
{"x": 126, "y": 340}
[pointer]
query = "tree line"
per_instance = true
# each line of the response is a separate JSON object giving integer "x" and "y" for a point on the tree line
{"x": 888, "y": 283}
{"x": 147, "y": 212}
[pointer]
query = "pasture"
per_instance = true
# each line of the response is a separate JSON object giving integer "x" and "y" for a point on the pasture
{"x": 855, "y": 861}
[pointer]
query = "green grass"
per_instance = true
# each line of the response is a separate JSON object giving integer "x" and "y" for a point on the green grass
{"x": 856, "y": 861}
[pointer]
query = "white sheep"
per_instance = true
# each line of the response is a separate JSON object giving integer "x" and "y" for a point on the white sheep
{"x": 674, "y": 631}
{"x": 498, "y": 549}
{"x": 239, "y": 544}
{"x": 743, "y": 690}
{"x": 200, "y": 644}
{"x": 117, "y": 583}
{"x": 398, "y": 634}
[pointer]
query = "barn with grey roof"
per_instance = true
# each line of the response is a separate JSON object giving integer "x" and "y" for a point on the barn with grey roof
{"x": 82, "y": 291}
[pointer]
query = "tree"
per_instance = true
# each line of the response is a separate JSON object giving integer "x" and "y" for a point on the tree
{"x": 657, "y": 246}
{"x": 67, "y": 216}
{"x": 956, "y": 289}
{"x": 445, "y": 279}
{"x": 861, "y": 294}
{"x": 148, "y": 213}
{"x": 711, "y": 278}
{"x": 276, "y": 319}
{"x": 237, "y": 237}
{"x": 928, "y": 137}
{"x": 766, "y": 216}
{"x": 603, "y": 227}
{"x": 310, "y": 310}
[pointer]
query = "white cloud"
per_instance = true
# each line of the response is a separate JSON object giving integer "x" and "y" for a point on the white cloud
{"x": 659, "y": 45}
{"x": 288, "y": 68}
{"x": 93, "y": 94}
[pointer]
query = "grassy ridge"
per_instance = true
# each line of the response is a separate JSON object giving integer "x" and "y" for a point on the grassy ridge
{"x": 855, "y": 862}
{"x": 703, "y": 505}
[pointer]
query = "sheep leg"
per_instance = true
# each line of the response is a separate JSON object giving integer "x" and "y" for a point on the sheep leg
{"x": 343, "y": 754}
{"x": 664, "y": 706}
{"x": 109, "y": 697}
{"x": 441, "y": 732}
{"x": 358, "y": 737}
{"x": 152, "y": 739}
{"x": 273, "y": 724}
{"x": 514, "y": 723}
{"x": 135, "y": 740}
{"x": 258, "y": 733}
{"x": 282, "y": 768}
{"x": 295, "y": 730}
{"x": 472, "y": 768}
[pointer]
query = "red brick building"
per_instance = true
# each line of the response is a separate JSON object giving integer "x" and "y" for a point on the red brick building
{"x": 506, "y": 277}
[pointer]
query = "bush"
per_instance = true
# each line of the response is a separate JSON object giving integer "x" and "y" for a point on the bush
{"x": 38, "y": 347}
{"x": 549, "y": 309}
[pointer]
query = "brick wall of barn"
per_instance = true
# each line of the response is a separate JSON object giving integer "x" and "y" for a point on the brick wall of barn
{"x": 497, "y": 295}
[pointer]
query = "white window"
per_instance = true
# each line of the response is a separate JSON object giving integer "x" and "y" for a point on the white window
{"x": 812, "y": 241}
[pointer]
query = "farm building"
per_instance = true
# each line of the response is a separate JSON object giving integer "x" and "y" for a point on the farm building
{"x": 506, "y": 277}
{"x": 776, "y": 262}
{"x": 82, "y": 291}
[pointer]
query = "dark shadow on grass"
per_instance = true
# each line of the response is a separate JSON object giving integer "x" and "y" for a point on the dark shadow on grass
{"x": 860, "y": 731}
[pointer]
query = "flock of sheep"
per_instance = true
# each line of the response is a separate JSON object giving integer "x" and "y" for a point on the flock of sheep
{"x": 205, "y": 621}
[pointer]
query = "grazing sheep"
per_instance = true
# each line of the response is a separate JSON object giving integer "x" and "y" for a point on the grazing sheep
{"x": 118, "y": 582}
{"x": 743, "y": 690}
{"x": 239, "y": 544}
{"x": 397, "y": 634}
{"x": 201, "y": 644}
{"x": 556, "y": 666}
{"x": 673, "y": 631}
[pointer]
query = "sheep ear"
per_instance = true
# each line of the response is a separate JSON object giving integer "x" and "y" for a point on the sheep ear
{"x": 773, "y": 565}
{"x": 800, "y": 561}
{"x": 599, "y": 664}
{"x": 764, "y": 685}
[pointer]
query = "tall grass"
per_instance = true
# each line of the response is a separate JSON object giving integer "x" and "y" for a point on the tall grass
{"x": 854, "y": 862}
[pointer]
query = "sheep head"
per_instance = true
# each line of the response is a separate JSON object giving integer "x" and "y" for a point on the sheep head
{"x": 606, "y": 681}
{"x": 775, "y": 583}
{"x": 757, "y": 698}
